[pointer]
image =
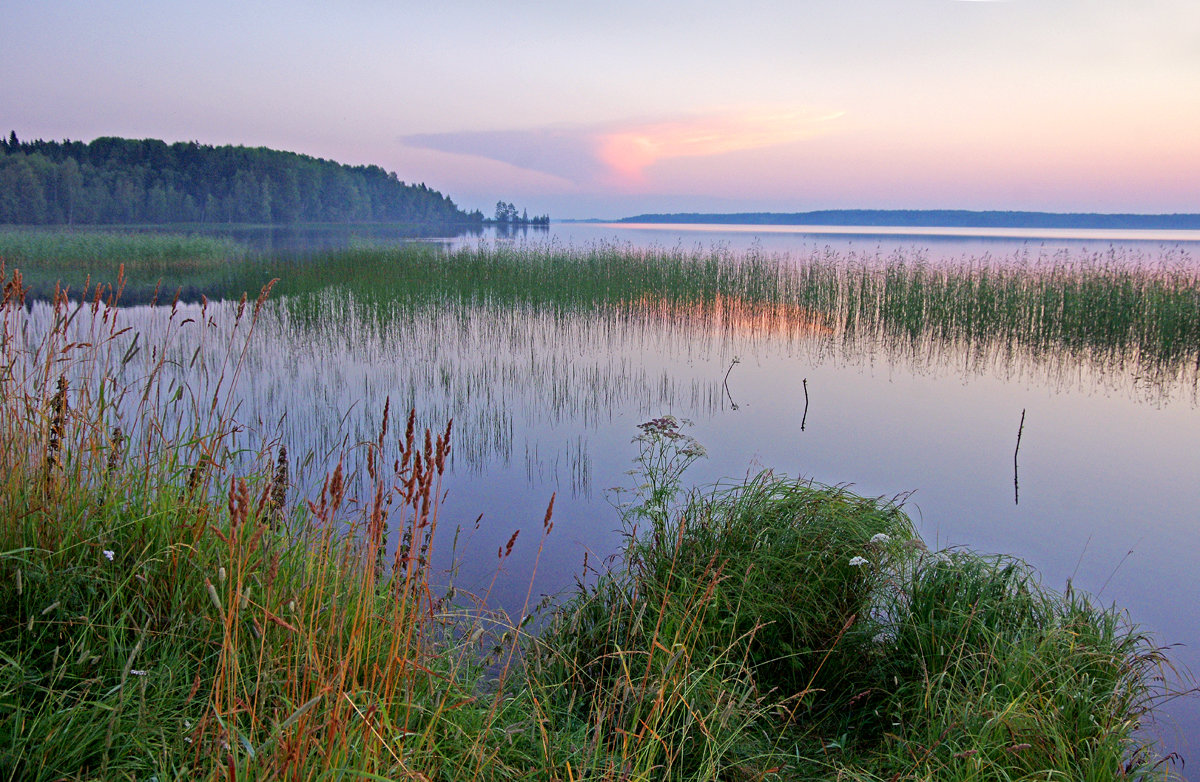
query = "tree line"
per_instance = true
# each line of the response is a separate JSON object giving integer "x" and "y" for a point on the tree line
{"x": 947, "y": 218}
{"x": 506, "y": 213}
{"x": 116, "y": 180}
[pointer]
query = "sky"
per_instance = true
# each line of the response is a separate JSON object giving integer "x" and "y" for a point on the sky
{"x": 609, "y": 109}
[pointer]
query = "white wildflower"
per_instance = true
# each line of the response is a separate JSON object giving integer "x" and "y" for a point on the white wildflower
{"x": 109, "y": 554}
{"x": 881, "y": 538}
{"x": 858, "y": 562}
{"x": 135, "y": 672}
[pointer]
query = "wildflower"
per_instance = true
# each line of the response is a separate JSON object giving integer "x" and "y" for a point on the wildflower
{"x": 136, "y": 672}
{"x": 881, "y": 538}
{"x": 109, "y": 554}
{"x": 858, "y": 562}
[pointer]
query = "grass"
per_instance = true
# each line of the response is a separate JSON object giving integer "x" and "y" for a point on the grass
{"x": 780, "y": 629}
{"x": 150, "y": 263}
{"x": 166, "y": 617}
{"x": 1105, "y": 310}
{"x": 162, "y": 622}
{"x": 106, "y": 250}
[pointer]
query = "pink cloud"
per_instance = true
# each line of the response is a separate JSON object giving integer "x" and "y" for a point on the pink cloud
{"x": 628, "y": 152}
{"x": 620, "y": 153}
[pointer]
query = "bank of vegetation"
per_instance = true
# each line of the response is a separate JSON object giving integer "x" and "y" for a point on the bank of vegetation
{"x": 1098, "y": 309}
{"x": 165, "y": 618}
{"x": 106, "y": 251}
{"x": 129, "y": 181}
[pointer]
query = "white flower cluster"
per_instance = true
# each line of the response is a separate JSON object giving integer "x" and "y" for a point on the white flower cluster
{"x": 878, "y": 539}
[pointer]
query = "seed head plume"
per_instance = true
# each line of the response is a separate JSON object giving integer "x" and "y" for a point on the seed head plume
{"x": 548, "y": 523}
{"x": 443, "y": 448}
{"x": 198, "y": 473}
{"x": 239, "y": 503}
{"x": 58, "y": 417}
{"x": 114, "y": 451}
{"x": 279, "y": 486}
{"x": 336, "y": 490}
{"x": 428, "y": 449}
{"x": 506, "y": 549}
{"x": 263, "y": 294}
{"x": 407, "y": 448}
{"x": 383, "y": 428}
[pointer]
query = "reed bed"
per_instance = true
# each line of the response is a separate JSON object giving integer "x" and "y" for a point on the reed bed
{"x": 1097, "y": 309}
{"x": 166, "y": 617}
{"x": 153, "y": 265}
{"x": 180, "y": 609}
{"x": 109, "y": 249}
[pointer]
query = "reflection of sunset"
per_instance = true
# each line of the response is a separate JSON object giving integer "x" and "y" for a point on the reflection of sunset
{"x": 733, "y": 315}
{"x": 628, "y": 152}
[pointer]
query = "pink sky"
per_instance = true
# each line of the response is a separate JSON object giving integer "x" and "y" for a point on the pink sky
{"x": 588, "y": 110}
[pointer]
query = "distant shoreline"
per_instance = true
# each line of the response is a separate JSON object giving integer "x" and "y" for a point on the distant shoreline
{"x": 926, "y": 218}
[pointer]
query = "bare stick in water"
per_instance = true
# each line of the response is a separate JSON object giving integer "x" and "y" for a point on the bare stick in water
{"x": 1016, "y": 486}
{"x": 735, "y": 361}
{"x": 804, "y": 418}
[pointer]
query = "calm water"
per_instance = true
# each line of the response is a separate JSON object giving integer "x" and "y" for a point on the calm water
{"x": 546, "y": 401}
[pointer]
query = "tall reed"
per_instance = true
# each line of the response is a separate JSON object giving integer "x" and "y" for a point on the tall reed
{"x": 171, "y": 618}
{"x": 173, "y": 615}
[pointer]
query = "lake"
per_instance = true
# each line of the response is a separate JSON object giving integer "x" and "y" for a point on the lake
{"x": 547, "y": 373}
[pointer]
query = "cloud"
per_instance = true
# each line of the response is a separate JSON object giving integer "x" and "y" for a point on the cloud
{"x": 565, "y": 153}
{"x": 620, "y": 153}
{"x": 629, "y": 152}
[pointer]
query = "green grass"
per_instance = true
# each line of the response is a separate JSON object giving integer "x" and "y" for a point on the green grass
{"x": 163, "y": 617}
{"x": 105, "y": 250}
{"x": 786, "y": 630}
{"x": 1100, "y": 310}
{"x": 147, "y": 265}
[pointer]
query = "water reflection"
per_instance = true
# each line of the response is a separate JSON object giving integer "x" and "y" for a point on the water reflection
{"x": 895, "y": 375}
{"x": 478, "y": 339}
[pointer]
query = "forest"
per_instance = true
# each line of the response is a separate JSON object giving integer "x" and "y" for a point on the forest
{"x": 126, "y": 181}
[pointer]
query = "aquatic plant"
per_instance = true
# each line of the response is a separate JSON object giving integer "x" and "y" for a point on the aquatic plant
{"x": 777, "y": 628}
{"x": 173, "y": 613}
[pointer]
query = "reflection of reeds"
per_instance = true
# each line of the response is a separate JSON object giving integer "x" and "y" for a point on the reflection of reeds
{"x": 501, "y": 330}
{"x": 503, "y": 340}
{"x": 1091, "y": 307}
{"x": 161, "y": 630}
{"x": 145, "y": 607}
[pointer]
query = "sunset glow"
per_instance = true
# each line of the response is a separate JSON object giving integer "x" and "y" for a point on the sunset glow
{"x": 606, "y": 111}
{"x": 629, "y": 152}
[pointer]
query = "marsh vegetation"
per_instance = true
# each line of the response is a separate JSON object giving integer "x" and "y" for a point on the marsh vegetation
{"x": 230, "y": 553}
